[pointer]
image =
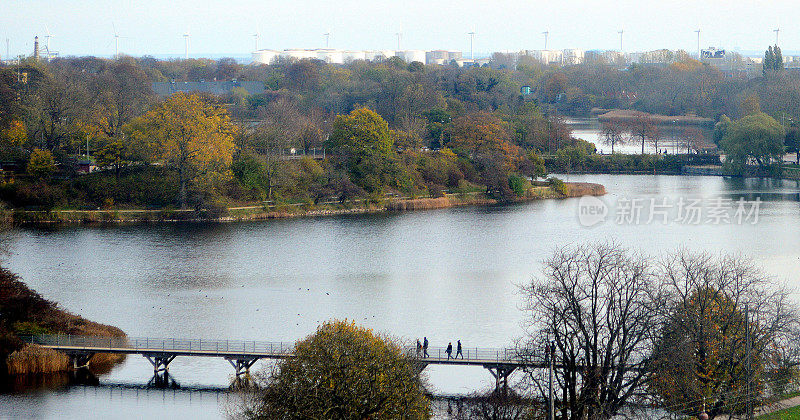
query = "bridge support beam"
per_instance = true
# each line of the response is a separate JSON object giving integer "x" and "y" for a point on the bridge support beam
{"x": 242, "y": 365}
{"x": 160, "y": 362}
{"x": 419, "y": 365}
{"x": 501, "y": 372}
{"x": 80, "y": 360}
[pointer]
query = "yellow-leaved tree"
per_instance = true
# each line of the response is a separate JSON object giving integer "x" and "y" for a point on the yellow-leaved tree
{"x": 343, "y": 371}
{"x": 190, "y": 135}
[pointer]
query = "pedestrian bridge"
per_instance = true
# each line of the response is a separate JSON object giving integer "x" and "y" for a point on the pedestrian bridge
{"x": 501, "y": 362}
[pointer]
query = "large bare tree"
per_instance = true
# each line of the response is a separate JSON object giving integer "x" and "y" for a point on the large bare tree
{"x": 596, "y": 305}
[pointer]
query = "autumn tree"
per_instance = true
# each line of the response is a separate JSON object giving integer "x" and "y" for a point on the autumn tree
{"x": 13, "y": 137}
{"x": 486, "y": 139}
{"x": 190, "y": 135}
{"x": 481, "y": 135}
{"x": 115, "y": 154}
{"x": 716, "y": 308}
{"x": 342, "y": 371}
{"x": 750, "y": 105}
{"x": 363, "y": 144}
{"x": 41, "y": 164}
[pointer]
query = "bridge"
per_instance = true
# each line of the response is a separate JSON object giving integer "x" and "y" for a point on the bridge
{"x": 242, "y": 355}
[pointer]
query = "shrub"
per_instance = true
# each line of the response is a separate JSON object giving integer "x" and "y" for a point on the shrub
{"x": 557, "y": 185}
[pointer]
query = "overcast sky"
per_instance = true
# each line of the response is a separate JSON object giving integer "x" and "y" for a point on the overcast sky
{"x": 227, "y": 27}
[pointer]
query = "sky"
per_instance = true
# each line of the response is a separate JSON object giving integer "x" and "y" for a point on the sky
{"x": 87, "y": 27}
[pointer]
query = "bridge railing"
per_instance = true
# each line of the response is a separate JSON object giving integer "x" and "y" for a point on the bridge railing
{"x": 498, "y": 355}
{"x": 162, "y": 344}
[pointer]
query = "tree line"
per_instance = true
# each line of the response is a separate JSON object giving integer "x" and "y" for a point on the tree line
{"x": 55, "y": 114}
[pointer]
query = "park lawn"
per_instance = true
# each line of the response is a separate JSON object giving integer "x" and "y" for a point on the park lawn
{"x": 787, "y": 414}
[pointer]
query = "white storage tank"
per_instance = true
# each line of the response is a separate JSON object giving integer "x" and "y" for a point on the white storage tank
{"x": 412, "y": 55}
{"x": 349, "y": 56}
{"x": 265, "y": 56}
{"x": 330, "y": 56}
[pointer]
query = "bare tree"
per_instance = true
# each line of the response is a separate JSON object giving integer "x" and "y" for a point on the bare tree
{"x": 612, "y": 134}
{"x": 654, "y": 137}
{"x": 596, "y": 305}
{"x": 641, "y": 127}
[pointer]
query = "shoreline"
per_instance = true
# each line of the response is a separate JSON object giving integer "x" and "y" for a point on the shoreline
{"x": 28, "y": 313}
{"x": 254, "y": 213}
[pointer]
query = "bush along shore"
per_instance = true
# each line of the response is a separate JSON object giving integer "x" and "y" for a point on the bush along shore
{"x": 24, "y": 312}
{"x": 553, "y": 188}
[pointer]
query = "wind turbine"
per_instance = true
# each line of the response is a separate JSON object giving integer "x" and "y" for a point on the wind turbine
{"x": 47, "y": 41}
{"x": 698, "y": 43}
{"x": 256, "y": 36}
{"x": 116, "y": 40}
{"x": 545, "y": 33}
{"x": 327, "y": 38}
{"x": 399, "y": 36}
{"x": 777, "y": 32}
{"x": 621, "y": 31}
{"x": 471, "y": 42}
{"x": 186, "y": 45}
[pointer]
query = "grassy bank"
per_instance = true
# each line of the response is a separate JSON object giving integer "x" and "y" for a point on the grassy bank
{"x": 24, "y": 312}
{"x": 627, "y": 116}
{"x": 303, "y": 209}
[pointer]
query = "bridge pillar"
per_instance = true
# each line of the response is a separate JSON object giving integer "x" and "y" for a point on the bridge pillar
{"x": 501, "y": 372}
{"x": 160, "y": 362}
{"x": 242, "y": 365}
{"x": 80, "y": 360}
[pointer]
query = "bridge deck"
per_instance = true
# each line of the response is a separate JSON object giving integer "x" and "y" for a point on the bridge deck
{"x": 233, "y": 349}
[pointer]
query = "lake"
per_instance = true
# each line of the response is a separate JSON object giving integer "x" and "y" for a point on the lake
{"x": 672, "y": 136}
{"x": 446, "y": 274}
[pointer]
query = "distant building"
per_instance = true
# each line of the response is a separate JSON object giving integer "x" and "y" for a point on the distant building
{"x": 712, "y": 56}
{"x": 572, "y": 56}
{"x": 545, "y": 56}
{"x": 409, "y": 56}
{"x": 441, "y": 56}
{"x": 213, "y": 87}
{"x": 333, "y": 56}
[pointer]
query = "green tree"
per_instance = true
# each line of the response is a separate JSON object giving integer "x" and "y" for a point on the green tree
{"x": 755, "y": 138}
{"x": 792, "y": 142}
{"x": 363, "y": 144}
{"x": 750, "y": 105}
{"x": 720, "y": 128}
{"x": 41, "y": 164}
{"x": 190, "y": 135}
{"x": 114, "y": 154}
{"x": 773, "y": 60}
{"x": 343, "y": 371}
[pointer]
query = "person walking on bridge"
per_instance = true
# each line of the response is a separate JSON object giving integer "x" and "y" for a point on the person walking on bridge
{"x": 449, "y": 350}
{"x": 425, "y": 347}
{"x": 419, "y": 347}
{"x": 458, "y": 351}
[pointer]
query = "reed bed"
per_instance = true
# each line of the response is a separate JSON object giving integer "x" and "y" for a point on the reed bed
{"x": 436, "y": 203}
{"x": 27, "y": 312}
{"x": 579, "y": 189}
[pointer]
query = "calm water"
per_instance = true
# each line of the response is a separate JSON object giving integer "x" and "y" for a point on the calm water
{"x": 590, "y": 129}
{"x": 448, "y": 274}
